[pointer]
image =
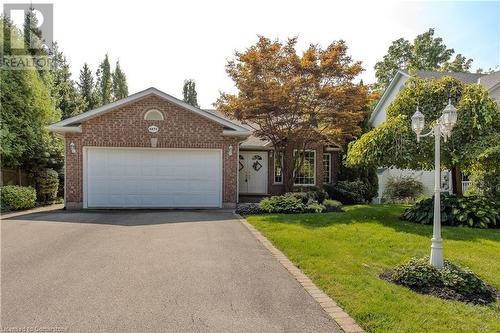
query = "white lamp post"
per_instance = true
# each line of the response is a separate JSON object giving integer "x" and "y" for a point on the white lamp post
{"x": 443, "y": 127}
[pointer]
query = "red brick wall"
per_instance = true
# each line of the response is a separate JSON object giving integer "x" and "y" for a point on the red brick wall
{"x": 126, "y": 127}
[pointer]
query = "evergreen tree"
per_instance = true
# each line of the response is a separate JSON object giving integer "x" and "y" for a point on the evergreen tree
{"x": 104, "y": 85}
{"x": 26, "y": 108}
{"x": 86, "y": 87}
{"x": 66, "y": 96}
{"x": 120, "y": 88}
{"x": 189, "y": 93}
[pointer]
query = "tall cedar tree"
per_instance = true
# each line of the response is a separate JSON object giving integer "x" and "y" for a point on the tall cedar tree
{"x": 87, "y": 88}
{"x": 296, "y": 101}
{"x": 26, "y": 107}
{"x": 189, "y": 93}
{"x": 426, "y": 53}
{"x": 104, "y": 83}
{"x": 120, "y": 88}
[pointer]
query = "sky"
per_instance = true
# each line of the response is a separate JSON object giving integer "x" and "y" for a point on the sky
{"x": 162, "y": 43}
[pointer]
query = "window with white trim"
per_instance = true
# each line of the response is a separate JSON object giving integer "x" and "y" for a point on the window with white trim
{"x": 307, "y": 172}
{"x": 327, "y": 168}
{"x": 153, "y": 114}
{"x": 278, "y": 167}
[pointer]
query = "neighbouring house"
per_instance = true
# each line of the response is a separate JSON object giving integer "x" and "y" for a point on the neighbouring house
{"x": 491, "y": 82}
{"x": 151, "y": 150}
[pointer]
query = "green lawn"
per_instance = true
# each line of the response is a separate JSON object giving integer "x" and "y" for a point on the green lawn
{"x": 343, "y": 253}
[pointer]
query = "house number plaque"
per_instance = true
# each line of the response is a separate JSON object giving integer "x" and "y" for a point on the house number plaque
{"x": 153, "y": 129}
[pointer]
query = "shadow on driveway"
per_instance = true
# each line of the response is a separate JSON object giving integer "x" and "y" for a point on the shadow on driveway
{"x": 127, "y": 217}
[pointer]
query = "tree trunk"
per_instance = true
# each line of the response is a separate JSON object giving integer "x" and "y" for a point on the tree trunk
{"x": 456, "y": 177}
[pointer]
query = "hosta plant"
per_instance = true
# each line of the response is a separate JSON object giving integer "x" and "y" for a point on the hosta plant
{"x": 475, "y": 212}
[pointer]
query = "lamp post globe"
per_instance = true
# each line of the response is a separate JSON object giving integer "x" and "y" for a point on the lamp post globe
{"x": 418, "y": 123}
{"x": 443, "y": 127}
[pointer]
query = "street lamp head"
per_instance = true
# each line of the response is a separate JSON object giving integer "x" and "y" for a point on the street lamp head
{"x": 449, "y": 118}
{"x": 418, "y": 122}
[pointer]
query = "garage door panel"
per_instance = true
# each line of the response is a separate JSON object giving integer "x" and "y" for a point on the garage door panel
{"x": 153, "y": 178}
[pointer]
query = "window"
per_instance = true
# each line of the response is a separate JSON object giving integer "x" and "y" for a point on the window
{"x": 327, "y": 168}
{"x": 153, "y": 115}
{"x": 307, "y": 173}
{"x": 278, "y": 167}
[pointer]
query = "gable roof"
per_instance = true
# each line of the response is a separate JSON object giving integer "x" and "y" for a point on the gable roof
{"x": 73, "y": 124}
{"x": 464, "y": 77}
{"x": 386, "y": 94}
{"x": 252, "y": 141}
{"x": 490, "y": 81}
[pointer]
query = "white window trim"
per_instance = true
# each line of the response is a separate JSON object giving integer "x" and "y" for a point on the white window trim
{"x": 155, "y": 111}
{"x": 274, "y": 168}
{"x": 329, "y": 169}
{"x": 314, "y": 169}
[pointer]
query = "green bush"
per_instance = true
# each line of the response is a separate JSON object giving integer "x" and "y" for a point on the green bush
{"x": 417, "y": 272}
{"x": 450, "y": 282}
{"x": 367, "y": 175}
{"x": 315, "y": 207}
{"x": 46, "y": 183}
{"x": 347, "y": 192}
{"x": 476, "y": 212}
{"x": 402, "y": 189}
{"x": 287, "y": 204}
{"x": 14, "y": 197}
{"x": 332, "y": 205}
{"x": 310, "y": 193}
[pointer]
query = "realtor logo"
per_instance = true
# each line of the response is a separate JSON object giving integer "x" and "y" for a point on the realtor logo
{"x": 33, "y": 49}
{"x": 39, "y": 17}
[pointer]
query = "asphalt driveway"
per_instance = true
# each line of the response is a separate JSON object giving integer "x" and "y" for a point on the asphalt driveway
{"x": 147, "y": 271}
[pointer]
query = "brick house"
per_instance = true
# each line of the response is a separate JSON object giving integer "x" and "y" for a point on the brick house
{"x": 151, "y": 150}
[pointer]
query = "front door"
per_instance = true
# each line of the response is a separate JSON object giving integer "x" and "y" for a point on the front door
{"x": 253, "y": 172}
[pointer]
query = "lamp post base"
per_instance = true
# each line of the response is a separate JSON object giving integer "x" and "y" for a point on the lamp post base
{"x": 437, "y": 253}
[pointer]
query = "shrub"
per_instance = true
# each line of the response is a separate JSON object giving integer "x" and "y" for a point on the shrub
{"x": 450, "y": 282}
{"x": 367, "y": 175}
{"x": 17, "y": 197}
{"x": 248, "y": 209}
{"x": 476, "y": 212}
{"x": 315, "y": 207}
{"x": 310, "y": 193}
{"x": 332, "y": 205}
{"x": 417, "y": 272}
{"x": 46, "y": 183}
{"x": 347, "y": 192}
{"x": 403, "y": 189}
{"x": 287, "y": 204}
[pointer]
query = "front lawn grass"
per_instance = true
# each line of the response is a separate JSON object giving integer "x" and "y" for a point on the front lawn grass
{"x": 344, "y": 253}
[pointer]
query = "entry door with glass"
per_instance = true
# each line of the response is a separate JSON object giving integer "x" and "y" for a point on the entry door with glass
{"x": 252, "y": 168}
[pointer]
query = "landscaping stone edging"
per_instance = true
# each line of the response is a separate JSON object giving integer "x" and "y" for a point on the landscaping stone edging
{"x": 342, "y": 318}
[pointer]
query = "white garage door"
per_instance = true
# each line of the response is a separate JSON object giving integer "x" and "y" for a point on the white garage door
{"x": 152, "y": 178}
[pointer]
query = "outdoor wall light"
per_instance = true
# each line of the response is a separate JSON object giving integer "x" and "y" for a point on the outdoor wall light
{"x": 72, "y": 148}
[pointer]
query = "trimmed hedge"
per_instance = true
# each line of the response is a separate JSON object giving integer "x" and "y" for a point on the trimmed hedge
{"x": 15, "y": 197}
{"x": 47, "y": 184}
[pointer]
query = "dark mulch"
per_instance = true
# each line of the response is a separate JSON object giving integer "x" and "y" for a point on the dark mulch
{"x": 447, "y": 293}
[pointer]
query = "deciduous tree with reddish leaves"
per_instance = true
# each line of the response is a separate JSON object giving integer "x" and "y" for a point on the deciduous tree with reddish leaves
{"x": 296, "y": 100}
